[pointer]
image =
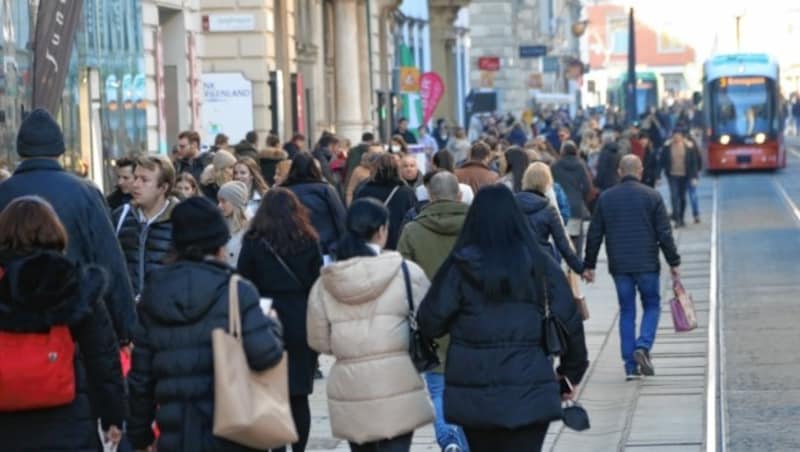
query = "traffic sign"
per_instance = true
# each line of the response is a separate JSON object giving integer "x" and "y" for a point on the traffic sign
{"x": 532, "y": 51}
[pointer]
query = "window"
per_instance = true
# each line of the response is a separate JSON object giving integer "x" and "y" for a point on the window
{"x": 618, "y": 35}
{"x": 667, "y": 41}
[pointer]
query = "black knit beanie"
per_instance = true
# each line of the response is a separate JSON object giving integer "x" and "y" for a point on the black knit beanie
{"x": 197, "y": 221}
{"x": 40, "y": 136}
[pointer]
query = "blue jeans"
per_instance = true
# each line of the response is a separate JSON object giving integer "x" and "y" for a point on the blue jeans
{"x": 446, "y": 434}
{"x": 648, "y": 284}
{"x": 693, "y": 200}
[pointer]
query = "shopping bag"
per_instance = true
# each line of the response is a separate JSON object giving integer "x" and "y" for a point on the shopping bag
{"x": 684, "y": 317}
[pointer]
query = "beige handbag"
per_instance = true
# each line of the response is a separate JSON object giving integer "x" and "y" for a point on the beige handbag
{"x": 250, "y": 408}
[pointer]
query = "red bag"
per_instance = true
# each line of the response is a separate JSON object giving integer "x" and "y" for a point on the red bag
{"x": 37, "y": 370}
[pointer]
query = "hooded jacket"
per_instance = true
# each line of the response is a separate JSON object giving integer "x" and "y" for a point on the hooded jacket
{"x": 545, "y": 222}
{"x": 572, "y": 174}
{"x": 82, "y": 209}
{"x": 268, "y": 160}
{"x": 428, "y": 240}
{"x": 357, "y": 311}
{"x": 145, "y": 244}
{"x": 607, "y": 164}
{"x": 173, "y": 365}
{"x": 43, "y": 290}
{"x": 498, "y": 374}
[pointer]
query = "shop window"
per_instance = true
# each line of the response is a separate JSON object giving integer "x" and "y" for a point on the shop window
{"x": 618, "y": 35}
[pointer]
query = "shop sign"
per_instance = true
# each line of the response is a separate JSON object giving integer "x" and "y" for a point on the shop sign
{"x": 227, "y": 105}
{"x": 532, "y": 51}
{"x": 489, "y": 63}
{"x": 229, "y": 22}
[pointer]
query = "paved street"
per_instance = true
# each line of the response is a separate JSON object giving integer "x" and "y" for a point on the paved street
{"x": 662, "y": 413}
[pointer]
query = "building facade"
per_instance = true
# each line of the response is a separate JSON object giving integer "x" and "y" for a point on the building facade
{"x": 525, "y": 51}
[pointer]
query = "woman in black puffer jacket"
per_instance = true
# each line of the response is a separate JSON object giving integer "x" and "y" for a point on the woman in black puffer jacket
{"x": 173, "y": 366}
{"x": 41, "y": 289}
{"x": 500, "y": 385}
{"x": 543, "y": 217}
{"x": 319, "y": 197}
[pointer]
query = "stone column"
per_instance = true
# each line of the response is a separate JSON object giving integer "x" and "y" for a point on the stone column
{"x": 349, "y": 117}
{"x": 442, "y": 57}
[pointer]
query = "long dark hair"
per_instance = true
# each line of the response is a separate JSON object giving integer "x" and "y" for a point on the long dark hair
{"x": 364, "y": 218}
{"x": 508, "y": 250}
{"x": 444, "y": 160}
{"x": 283, "y": 221}
{"x": 386, "y": 172}
{"x": 517, "y": 162}
{"x": 304, "y": 169}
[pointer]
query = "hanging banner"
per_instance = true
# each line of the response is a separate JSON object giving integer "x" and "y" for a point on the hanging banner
{"x": 431, "y": 90}
{"x": 56, "y": 22}
{"x": 409, "y": 89}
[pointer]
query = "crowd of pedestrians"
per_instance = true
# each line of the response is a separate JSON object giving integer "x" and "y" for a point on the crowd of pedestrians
{"x": 351, "y": 252}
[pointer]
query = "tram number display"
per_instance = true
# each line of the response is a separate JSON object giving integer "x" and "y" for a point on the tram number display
{"x": 741, "y": 81}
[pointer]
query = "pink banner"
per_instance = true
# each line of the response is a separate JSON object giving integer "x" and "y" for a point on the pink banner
{"x": 431, "y": 89}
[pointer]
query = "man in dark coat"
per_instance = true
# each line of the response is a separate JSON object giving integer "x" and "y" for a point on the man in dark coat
{"x": 632, "y": 219}
{"x": 248, "y": 146}
{"x": 607, "y": 163}
{"x": 122, "y": 194}
{"x": 189, "y": 158}
{"x": 402, "y": 130}
{"x": 295, "y": 145}
{"x": 355, "y": 154}
{"x": 79, "y": 205}
{"x": 145, "y": 229}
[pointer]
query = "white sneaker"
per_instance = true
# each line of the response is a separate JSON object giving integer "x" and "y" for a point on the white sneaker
{"x": 452, "y": 448}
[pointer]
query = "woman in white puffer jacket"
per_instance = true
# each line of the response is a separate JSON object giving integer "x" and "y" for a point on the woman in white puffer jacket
{"x": 358, "y": 312}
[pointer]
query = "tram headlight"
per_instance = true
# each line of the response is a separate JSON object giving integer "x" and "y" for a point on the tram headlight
{"x": 724, "y": 139}
{"x": 760, "y": 138}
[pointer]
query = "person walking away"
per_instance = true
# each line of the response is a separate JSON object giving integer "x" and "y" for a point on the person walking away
{"x": 354, "y": 156}
{"x": 186, "y": 187}
{"x": 681, "y": 163}
{"x": 43, "y": 290}
{"x": 608, "y": 162}
{"x": 428, "y": 240}
{"x": 543, "y": 216}
{"x": 443, "y": 160}
{"x": 500, "y": 383}
{"x": 363, "y": 171}
{"x": 695, "y": 166}
{"x": 172, "y": 378}
{"x": 80, "y": 206}
{"x": 410, "y": 172}
{"x": 516, "y": 162}
{"x": 632, "y": 219}
{"x": 217, "y": 174}
{"x": 387, "y": 187}
{"x": 295, "y": 145}
{"x": 248, "y": 147}
{"x": 232, "y": 201}
{"x": 144, "y": 227}
{"x": 650, "y": 164}
{"x": 189, "y": 158}
{"x": 324, "y": 152}
{"x": 247, "y": 171}
{"x": 281, "y": 256}
{"x": 476, "y": 172}
{"x": 221, "y": 141}
{"x": 319, "y": 197}
{"x": 366, "y": 328}
{"x": 123, "y": 167}
{"x": 269, "y": 157}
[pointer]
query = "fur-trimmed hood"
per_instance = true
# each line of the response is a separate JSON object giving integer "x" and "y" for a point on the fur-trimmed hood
{"x": 44, "y": 289}
{"x": 273, "y": 154}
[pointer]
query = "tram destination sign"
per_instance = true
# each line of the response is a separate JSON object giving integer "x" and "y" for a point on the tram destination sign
{"x": 534, "y": 51}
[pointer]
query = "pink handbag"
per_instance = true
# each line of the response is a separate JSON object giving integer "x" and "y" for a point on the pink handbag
{"x": 684, "y": 316}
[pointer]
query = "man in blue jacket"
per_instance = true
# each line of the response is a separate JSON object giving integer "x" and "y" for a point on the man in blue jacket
{"x": 79, "y": 205}
{"x": 633, "y": 220}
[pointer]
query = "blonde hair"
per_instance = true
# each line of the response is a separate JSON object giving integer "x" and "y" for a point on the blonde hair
{"x": 537, "y": 177}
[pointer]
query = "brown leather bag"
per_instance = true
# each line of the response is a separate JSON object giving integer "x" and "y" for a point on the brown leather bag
{"x": 250, "y": 408}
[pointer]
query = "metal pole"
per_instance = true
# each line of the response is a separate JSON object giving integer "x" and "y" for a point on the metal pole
{"x": 738, "y": 33}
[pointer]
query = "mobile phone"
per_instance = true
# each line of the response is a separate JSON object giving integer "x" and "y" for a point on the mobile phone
{"x": 566, "y": 386}
{"x": 266, "y": 304}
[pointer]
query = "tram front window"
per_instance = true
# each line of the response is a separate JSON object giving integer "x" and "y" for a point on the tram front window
{"x": 742, "y": 106}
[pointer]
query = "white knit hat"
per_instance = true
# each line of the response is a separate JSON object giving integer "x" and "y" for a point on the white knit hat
{"x": 235, "y": 192}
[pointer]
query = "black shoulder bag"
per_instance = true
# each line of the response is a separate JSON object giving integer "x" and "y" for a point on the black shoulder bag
{"x": 422, "y": 350}
{"x": 553, "y": 330}
{"x": 283, "y": 263}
